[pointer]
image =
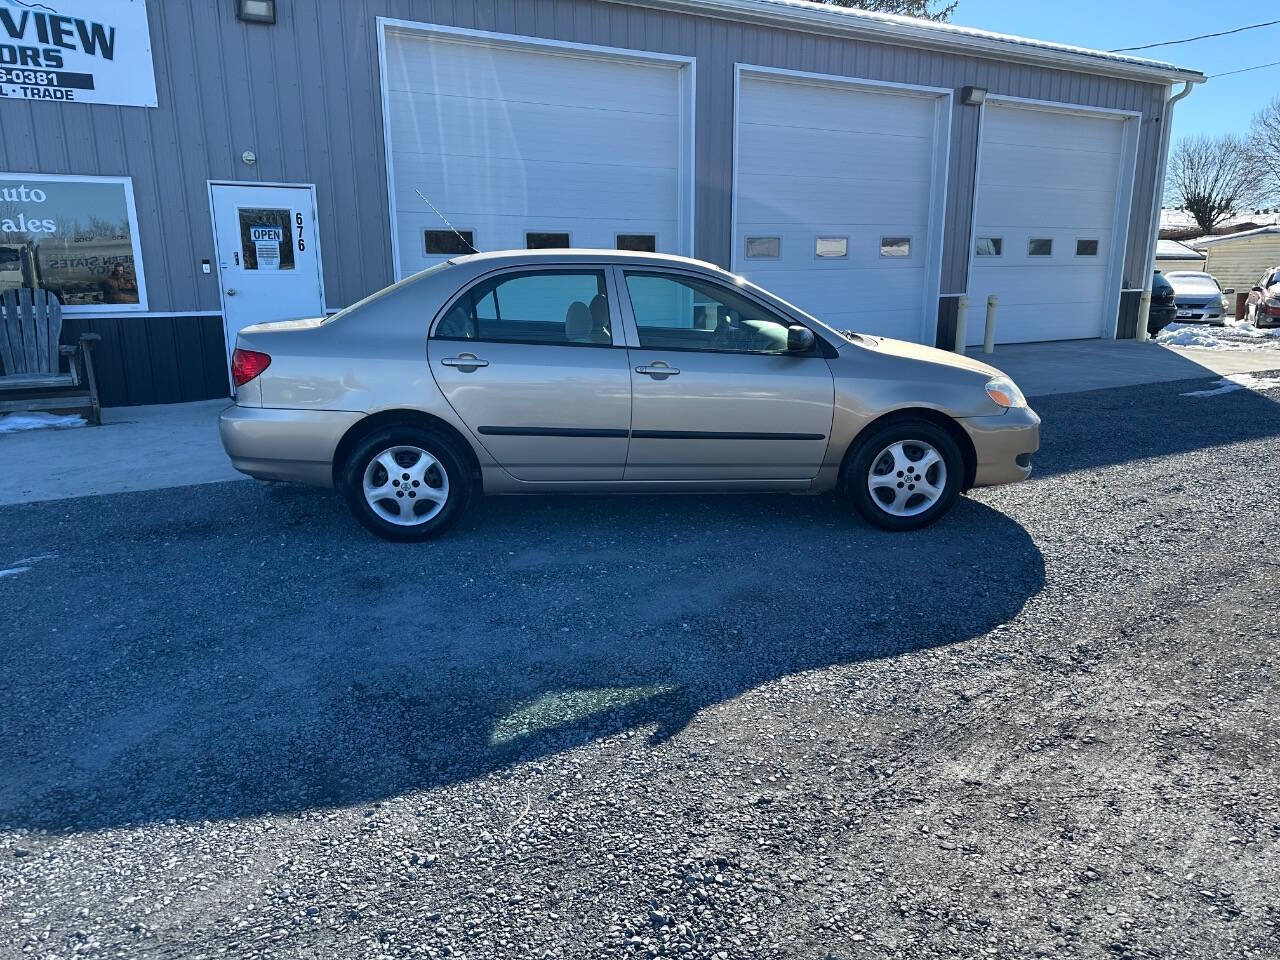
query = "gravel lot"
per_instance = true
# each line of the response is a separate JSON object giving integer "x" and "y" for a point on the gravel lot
{"x": 234, "y": 724}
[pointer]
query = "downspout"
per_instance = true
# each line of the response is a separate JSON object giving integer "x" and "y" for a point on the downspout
{"x": 1166, "y": 137}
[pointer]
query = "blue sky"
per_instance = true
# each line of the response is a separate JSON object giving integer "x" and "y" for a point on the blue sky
{"x": 1219, "y": 106}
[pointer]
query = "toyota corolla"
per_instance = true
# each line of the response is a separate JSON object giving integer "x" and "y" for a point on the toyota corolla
{"x": 598, "y": 371}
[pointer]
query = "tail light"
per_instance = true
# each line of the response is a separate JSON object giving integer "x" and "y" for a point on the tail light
{"x": 247, "y": 364}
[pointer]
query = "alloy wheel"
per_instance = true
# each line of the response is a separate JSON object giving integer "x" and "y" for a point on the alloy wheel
{"x": 405, "y": 485}
{"x": 907, "y": 478}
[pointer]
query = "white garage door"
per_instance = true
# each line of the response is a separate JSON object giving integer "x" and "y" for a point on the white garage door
{"x": 1046, "y": 223}
{"x": 510, "y": 139}
{"x": 834, "y": 190}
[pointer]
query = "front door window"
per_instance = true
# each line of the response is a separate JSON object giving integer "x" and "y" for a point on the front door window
{"x": 684, "y": 313}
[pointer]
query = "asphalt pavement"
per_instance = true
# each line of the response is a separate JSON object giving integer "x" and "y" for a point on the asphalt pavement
{"x": 235, "y": 724}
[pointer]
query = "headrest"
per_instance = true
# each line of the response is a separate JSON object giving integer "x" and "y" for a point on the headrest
{"x": 577, "y": 322}
{"x": 599, "y": 312}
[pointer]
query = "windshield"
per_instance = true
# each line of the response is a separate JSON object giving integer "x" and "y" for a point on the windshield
{"x": 1188, "y": 282}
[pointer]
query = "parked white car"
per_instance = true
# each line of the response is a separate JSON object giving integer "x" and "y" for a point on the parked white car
{"x": 1198, "y": 297}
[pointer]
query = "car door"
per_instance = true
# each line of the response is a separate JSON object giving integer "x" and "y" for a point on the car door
{"x": 527, "y": 358}
{"x": 714, "y": 393}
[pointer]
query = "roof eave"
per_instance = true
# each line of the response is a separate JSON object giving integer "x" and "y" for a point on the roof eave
{"x": 831, "y": 21}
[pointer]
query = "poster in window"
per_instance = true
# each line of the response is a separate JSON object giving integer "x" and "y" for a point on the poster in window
{"x": 73, "y": 236}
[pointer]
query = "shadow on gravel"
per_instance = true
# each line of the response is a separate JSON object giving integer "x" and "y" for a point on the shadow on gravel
{"x": 232, "y": 650}
{"x": 1105, "y": 427}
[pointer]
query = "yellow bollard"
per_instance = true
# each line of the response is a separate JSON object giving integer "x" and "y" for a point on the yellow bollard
{"x": 989, "y": 335}
{"x": 1144, "y": 311}
{"x": 962, "y": 322}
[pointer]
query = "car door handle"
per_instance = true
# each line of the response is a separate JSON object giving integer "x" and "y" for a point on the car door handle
{"x": 466, "y": 363}
{"x": 659, "y": 371}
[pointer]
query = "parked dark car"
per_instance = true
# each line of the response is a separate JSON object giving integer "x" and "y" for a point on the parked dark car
{"x": 1164, "y": 307}
{"x": 1263, "y": 305}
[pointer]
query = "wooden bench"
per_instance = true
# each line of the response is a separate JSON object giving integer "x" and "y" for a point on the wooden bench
{"x": 31, "y": 352}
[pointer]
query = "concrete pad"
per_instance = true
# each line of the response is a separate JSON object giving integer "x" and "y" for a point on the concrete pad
{"x": 136, "y": 448}
{"x": 1071, "y": 366}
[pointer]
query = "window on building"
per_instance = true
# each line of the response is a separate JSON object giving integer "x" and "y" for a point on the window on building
{"x": 1086, "y": 248}
{"x": 989, "y": 246}
{"x": 764, "y": 248}
{"x": 895, "y": 246}
{"x": 266, "y": 238}
{"x": 1039, "y": 247}
{"x": 831, "y": 247}
{"x": 546, "y": 241}
{"x": 76, "y": 237}
{"x": 536, "y": 306}
{"x": 447, "y": 243}
{"x": 684, "y": 313}
{"x": 638, "y": 242}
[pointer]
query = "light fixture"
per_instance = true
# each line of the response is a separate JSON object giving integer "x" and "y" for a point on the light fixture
{"x": 973, "y": 96}
{"x": 256, "y": 11}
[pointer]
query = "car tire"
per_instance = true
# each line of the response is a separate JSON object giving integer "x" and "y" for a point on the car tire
{"x": 422, "y": 498}
{"x": 881, "y": 474}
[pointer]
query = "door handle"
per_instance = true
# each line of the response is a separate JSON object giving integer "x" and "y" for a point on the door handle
{"x": 466, "y": 363}
{"x": 659, "y": 370}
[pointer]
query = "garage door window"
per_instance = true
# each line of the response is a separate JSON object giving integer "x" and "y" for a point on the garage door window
{"x": 546, "y": 241}
{"x": 682, "y": 313}
{"x": 567, "y": 307}
{"x": 1039, "y": 247}
{"x": 764, "y": 248}
{"x": 638, "y": 242}
{"x": 895, "y": 246}
{"x": 1086, "y": 248}
{"x": 447, "y": 243}
{"x": 989, "y": 246}
{"x": 834, "y": 247}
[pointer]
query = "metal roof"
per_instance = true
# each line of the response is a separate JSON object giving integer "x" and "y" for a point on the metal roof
{"x": 1210, "y": 241}
{"x": 913, "y": 31}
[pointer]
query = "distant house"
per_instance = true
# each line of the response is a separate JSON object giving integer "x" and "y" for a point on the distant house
{"x": 1177, "y": 224}
{"x": 1238, "y": 260}
{"x": 1173, "y": 255}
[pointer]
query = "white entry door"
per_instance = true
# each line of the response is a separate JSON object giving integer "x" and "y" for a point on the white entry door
{"x": 268, "y": 253}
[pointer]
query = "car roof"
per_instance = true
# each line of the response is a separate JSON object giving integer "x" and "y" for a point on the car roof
{"x": 503, "y": 258}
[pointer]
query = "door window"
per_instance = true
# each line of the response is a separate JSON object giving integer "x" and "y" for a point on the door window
{"x": 266, "y": 238}
{"x": 544, "y": 306}
{"x": 684, "y": 313}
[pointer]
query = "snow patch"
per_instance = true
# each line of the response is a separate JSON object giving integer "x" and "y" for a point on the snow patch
{"x": 1233, "y": 335}
{"x": 1237, "y": 381}
{"x": 16, "y": 422}
{"x": 13, "y": 571}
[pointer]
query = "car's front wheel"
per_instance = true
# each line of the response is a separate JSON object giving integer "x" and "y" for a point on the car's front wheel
{"x": 905, "y": 474}
{"x": 406, "y": 483}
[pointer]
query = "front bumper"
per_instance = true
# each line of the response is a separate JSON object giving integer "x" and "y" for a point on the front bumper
{"x": 1004, "y": 444}
{"x": 292, "y": 445}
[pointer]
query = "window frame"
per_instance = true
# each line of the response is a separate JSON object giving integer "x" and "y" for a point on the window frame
{"x": 746, "y": 241}
{"x": 895, "y": 256}
{"x": 989, "y": 256}
{"x": 131, "y": 209}
{"x": 823, "y": 349}
{"x": 611, "y": 292}
{"x": 617, "y": 238}
{"x": 1031, "y": 240}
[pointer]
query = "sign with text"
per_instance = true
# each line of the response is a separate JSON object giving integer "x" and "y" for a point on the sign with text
{"x": 76, "y": 51}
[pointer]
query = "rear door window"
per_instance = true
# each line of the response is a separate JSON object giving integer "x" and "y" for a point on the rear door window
{"x": 568, "y": 306}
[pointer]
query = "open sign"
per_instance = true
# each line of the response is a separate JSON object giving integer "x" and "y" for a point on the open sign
{"x": 265, "y": 234}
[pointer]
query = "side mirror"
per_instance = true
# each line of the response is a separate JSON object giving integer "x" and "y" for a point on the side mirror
{"x": 1229, "y": 291}
{"x": 799, "y": 339}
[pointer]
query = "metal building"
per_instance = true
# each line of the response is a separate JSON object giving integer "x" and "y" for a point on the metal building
{"x": 207, "y": 165}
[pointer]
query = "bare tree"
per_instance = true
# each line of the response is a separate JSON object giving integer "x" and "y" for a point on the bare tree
{"x": 1264, "y": 146}
{"x": 1212, "y": 178}
{"x": 924, "y": 9}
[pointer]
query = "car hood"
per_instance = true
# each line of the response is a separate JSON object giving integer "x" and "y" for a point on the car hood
{"x": 921, "y": 353}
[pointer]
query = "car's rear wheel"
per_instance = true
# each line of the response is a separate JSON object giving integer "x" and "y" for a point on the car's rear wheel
{"x": 905, "y": 474}
{"x": 406, "y": 483}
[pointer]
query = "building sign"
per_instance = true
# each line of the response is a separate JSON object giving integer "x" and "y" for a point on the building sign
{"x": 76, "y": 51}
{"x": 76, "y": 237}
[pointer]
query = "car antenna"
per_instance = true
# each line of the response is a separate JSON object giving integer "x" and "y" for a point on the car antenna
{"x": 423, "y": 198}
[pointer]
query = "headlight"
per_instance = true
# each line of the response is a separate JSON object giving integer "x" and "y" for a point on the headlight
{"x": 1005, "y": 393}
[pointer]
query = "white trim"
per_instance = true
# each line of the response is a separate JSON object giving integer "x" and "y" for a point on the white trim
{"x": 131, "y": 210}
{"x": 917, "y": 33}
{"x": 943, "y": 108}
{"x": 99, "y": 314}
{"x": 1126, "y": 177}
{"x": 687, "y": 71}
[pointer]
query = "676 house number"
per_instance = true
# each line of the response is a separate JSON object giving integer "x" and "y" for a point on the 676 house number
{"x": 302, "y": 241}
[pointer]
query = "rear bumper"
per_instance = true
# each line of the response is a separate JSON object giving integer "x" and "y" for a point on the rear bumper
{"x": 1004, "y": 445}
{"x": 293, "y": 445}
